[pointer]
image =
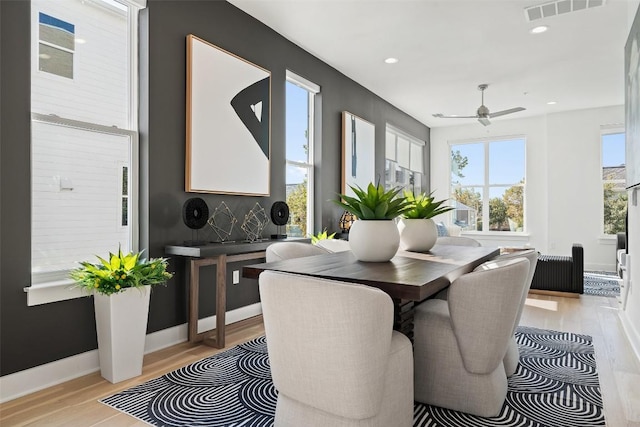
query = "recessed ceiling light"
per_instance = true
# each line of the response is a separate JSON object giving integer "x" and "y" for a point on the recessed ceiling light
{"x": 80, "y": 41}
{"x": 551, "y": 103}
{"x": 391, "y": 60}
{"x": 539, "y": 29}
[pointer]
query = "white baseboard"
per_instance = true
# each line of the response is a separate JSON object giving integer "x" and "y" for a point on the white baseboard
{"x": 633, "y": 335}
{"x": 34, "y": 379}
{"x": 600, "y": 267}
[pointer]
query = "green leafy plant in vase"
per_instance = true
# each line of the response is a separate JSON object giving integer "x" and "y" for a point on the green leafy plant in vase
{"x": 121, "y": 271}
{"x": 418, "y": 231}
{"x": 374, "y": 237}
{"x": 323, "y": 235}
{"x": 121, "y": 314}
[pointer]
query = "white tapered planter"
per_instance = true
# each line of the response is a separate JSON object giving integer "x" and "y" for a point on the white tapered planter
{"x": 418, "y": 235}
{"x": 374, "y": 240}
{"x": 121, "y": 324}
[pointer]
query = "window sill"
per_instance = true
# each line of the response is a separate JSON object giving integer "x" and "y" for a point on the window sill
{"x": 498, "y": 235}
{"x": 59, "y": 290}
{"x": 607, "y": 239}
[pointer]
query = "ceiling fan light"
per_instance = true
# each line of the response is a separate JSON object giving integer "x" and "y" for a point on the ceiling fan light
{"x": 485, "y": 121}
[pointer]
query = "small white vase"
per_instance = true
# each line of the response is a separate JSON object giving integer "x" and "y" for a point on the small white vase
{"x": 418, "y": 235}
{"x": 121, "y": 325}
{"x": 374, "y": 240}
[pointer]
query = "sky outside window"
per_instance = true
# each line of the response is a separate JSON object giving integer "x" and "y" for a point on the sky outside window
{"x": 297, "y": 121}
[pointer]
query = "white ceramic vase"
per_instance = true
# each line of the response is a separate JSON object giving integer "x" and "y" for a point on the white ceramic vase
{"x": 418, "y": 235}
{"x": 374, "y": 240}
{"x": 121, "y": 325}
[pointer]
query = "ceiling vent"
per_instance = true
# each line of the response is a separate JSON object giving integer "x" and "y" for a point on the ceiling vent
{"x": 559, "y": 7}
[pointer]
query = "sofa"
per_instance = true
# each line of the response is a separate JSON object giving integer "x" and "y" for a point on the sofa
{"x": 560, "y": 273}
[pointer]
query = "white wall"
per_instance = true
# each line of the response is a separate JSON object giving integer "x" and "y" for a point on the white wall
{"x": 563, "y": 202}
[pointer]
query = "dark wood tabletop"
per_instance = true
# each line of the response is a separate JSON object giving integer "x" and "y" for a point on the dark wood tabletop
{"x": 409, "y": 275}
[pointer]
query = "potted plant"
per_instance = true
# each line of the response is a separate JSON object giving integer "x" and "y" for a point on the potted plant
{"x": 374, "y": 236}
{"x": 417, "y": 229}
{"x": 121, "y": 286}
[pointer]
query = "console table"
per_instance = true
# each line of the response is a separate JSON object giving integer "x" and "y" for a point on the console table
{"x": 218, "y": 254}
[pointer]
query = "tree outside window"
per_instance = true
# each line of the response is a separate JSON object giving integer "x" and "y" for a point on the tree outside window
{"x": 614, "y": 195}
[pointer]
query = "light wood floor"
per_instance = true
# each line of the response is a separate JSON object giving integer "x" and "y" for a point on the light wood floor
{"x": 75, "y": 403}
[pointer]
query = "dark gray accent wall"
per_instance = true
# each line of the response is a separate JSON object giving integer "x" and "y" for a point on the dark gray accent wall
{"x": 33, "y": 336}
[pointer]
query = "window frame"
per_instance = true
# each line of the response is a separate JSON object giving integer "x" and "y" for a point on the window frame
{"x": 486, "y": 185}
{"x": 56, "y": 286}
{"x": 608, "y": 130}
{"x": 313, "y": 90}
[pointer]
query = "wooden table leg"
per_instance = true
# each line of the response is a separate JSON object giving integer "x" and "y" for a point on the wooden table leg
{"x": 403, "y": 316}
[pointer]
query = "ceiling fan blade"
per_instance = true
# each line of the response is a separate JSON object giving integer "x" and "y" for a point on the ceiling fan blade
{"x": 504, "y": 112}
{"x": 484, "y": 120}
{"x": 453, "y": 116}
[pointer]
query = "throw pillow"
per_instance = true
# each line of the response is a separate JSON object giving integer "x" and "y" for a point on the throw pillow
{"x": 442, "y": 229}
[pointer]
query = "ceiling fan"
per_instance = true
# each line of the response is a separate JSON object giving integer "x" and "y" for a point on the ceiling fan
{"x": 482, "y": 114}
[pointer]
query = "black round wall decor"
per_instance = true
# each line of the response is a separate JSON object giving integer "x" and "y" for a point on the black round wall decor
{"x": 279, "y": 213}
{"x": 195, "y": 213}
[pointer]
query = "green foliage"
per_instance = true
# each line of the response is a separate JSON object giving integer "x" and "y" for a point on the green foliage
{"x": 458, "y": 162}
{"x": 120, "y": 272}
{"x": 497, "y": 214}
{"x": 323, "y": 235}
{"x": 615, "y": 209}
{"x": 423, "y": 206}
{"x": 374, "y": 203}
{"x": 297, "y": 201}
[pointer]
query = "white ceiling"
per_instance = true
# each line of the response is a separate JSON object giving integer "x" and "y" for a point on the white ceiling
{"x": 446, "y": 48}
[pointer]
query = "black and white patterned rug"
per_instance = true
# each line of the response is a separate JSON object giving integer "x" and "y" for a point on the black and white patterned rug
{"x": 601, "y": 283}
{"x": 556, "y": 385}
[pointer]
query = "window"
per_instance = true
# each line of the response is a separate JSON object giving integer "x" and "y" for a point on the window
{"x": 404, "y": 161}
{"x": 300, "y": 118}
{"x": 488, "y": 185}
{"x": 84, "y": 139}
{"x": 614, "y": 195}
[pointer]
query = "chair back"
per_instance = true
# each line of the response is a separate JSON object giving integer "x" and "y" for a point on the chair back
{"x": 532, "y": 256}
{"x": 484, "y": 306}
{"x": 286, "y": 250}
{"x": 334, "y": 245}
{"x": 328, "y": 342}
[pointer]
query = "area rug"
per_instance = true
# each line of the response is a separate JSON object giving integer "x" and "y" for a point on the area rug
{"x": 556, "y": 385}
{"x": 601, "y": 283}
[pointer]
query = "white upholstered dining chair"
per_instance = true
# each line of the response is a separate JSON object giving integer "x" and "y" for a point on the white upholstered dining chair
{"x": 512, "y": 357}
{"x": 460, "y": 343}
{"x": 286, "y": 250}
{"x": 335, "y": 360}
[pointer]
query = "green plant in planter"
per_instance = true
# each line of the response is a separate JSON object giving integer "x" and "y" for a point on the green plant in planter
{"x": 121, "y": 271}
{"x": 374, "y": 203}
{"x": 423, "y": 206}
{"x": 323, "y": 235}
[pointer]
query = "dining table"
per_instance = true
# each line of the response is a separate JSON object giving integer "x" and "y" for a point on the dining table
{"x": 408, "y": 278}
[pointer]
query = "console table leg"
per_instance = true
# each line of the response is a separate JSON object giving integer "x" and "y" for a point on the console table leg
{"x": 221, "y": 300}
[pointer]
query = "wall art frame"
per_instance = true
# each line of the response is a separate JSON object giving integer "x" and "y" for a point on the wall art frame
{"x": 358, "y": 152}
{"x": 228, "y": 123}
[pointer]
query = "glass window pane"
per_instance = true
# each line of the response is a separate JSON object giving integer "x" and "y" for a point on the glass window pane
{"x": 615, "y": 208}
{"x": 614, "y": 195}
{"x": 613, "y": 149}
{"x": 468, "y": 207}
{"x": 297, "y": 200}
{"x": 297, "y": 120}
{"x": 96, "y": 66}
{"x": 390, "y": 146}
{"x": 506, "y": 161}
{"x": 404, "y": 152}
{"x": 55, "y": 61}
{"x": 416, "y": 158}
{"x": 467, "y": 164}
{"x": 76, "y": 195}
